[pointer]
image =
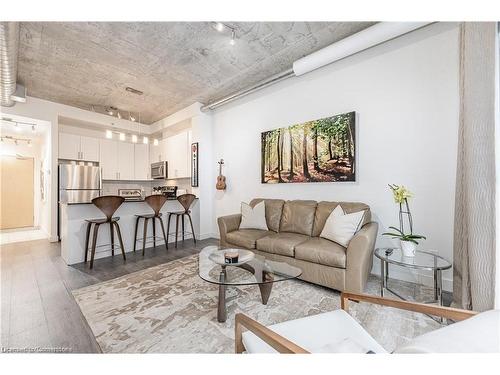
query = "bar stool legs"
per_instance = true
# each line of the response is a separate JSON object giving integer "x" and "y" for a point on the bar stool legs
{"x": 192, "y": 228}
{"x": 87, "y": 237}
{"x": 112, "y": 234}
{"x": 145, "y": 231}
{"x": 94, "y": 242}
{"x": 120, "y": 238}
{"x": 135, "y": 232}
{"x": 144, "y": 236}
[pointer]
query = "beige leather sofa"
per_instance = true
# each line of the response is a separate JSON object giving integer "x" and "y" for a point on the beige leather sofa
{"x": 293, "y": 236}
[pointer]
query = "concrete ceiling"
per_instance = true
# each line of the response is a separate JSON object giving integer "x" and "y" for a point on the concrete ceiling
{"x": 174, "y": 63}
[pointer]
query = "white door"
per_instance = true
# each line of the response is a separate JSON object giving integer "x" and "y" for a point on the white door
{"x": 108, "y": 156}
{"x": 89, "y": 148}
{"x": 141, "y": 162}
{"x": 69, "y": 146}
{"x": 125, "y": 161}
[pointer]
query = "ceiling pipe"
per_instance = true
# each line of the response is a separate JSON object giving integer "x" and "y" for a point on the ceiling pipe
{"x": 9, "y": 47}
{"x": 367, "y": 38}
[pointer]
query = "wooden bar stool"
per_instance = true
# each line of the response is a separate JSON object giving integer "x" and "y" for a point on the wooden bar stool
{"x": 108, "y": 204}
{"x": 156, "y": 202}
{"x": 186, "y": 200}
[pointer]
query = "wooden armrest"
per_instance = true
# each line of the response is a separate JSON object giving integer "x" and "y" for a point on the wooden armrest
{"x": 440, "y": 311}
{"x": 278, "y": 342}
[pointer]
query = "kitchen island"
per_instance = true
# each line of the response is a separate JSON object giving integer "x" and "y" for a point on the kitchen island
{"x": 73, "y": 227}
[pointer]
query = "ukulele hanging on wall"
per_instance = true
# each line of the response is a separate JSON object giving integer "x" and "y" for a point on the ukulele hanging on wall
{"x": 221, "y": 180}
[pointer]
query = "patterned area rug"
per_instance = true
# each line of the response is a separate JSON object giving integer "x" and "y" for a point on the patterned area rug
{"x": 169, "y": 309}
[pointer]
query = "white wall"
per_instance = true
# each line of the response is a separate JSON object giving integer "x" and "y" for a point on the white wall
{"x": 405, "y": 94}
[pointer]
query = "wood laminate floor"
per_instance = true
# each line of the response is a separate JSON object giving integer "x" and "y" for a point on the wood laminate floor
{"x": 38, "y": 310}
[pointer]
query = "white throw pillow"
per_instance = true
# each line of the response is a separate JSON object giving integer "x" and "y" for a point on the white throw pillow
{"x": 341, "y": 227}
{"x": 253, "y": 218}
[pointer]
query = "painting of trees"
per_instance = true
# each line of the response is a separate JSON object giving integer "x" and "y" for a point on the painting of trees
{"x": 322, "y": 150}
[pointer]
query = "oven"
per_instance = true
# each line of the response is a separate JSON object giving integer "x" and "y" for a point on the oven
{"x": 159, "y": 170}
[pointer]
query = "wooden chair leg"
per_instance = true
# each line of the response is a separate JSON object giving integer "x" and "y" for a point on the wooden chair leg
{"x": 168, "y": 225}
{"x": 183, "y": 230}
{"x": 120, "y": 239}
{"x": 192, "y": 228}
{"x": 87, "y": 238}
{"x": 112, "y": 234}
{"x": 135, "y": 232}
{"x": 176, "y": 229}
{"x": 94, "y": 242}
{"x": 154, "y": 232}
{"x": 165, "y": 238}
{"x": 144, "y": 236}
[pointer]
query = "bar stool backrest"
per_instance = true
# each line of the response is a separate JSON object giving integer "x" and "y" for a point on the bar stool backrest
{"x": 156, "y": 202}
{"x": 186, "y": 200}
{"x": 108, "y": 204}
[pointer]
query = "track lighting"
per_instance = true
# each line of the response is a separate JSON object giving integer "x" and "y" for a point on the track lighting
{"x": 132, "y": 118}
{"x": 221, "y": 27}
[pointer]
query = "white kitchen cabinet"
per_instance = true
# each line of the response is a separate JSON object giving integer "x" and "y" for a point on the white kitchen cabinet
{"x": 109, "y": 159}
{"x": 155, "y": 152}
{"x": 76, "y": 147}
{"x": 89, "y": 148}
{"x": 69, "y": 146}
{"x": 178, "y": 152}
{"x": 141, "y": 161}
{"x": 125, "y": 161}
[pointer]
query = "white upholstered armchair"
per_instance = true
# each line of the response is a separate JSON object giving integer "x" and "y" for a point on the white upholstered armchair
{"x": 337, "y": 331}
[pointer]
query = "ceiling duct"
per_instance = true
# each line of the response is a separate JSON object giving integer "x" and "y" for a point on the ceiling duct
{"x": 9, "y": 47}
{"x": 367, "y": 38}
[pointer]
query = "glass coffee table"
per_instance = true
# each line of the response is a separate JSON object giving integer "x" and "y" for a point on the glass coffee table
{"x": 256, "y": 271}
{"x": 422, "y": 260}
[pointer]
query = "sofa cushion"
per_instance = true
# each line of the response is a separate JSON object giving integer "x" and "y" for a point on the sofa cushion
{"x": 246, "y": 237}
{"x": 281, "y": 243}
{"x": 315, "y": 333}
{"x": 322, "y": 251}
{"x": 324, "y": 210}
{"x": 298, "y": 217}
{"x": 274, "y": 208}
{"x": 253, "y": 217}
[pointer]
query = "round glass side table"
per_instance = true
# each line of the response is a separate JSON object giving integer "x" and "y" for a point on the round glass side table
{"x": 422, "y": 260}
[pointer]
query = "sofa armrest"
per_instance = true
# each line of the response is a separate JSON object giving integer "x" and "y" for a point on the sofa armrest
{"x": 227, "y": 224}
{"x": 360, "y": 257}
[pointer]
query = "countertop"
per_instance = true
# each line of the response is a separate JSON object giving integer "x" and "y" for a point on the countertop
{"x": 129, "y": 201}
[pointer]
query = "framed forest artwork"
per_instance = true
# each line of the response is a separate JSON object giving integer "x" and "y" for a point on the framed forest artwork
{"x": 321, "y": 150}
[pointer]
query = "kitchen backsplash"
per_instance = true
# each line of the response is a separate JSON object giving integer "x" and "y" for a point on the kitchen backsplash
{"x": 111, "y": 187}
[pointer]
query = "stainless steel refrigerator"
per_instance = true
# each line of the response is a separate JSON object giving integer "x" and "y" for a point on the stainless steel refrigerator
{"x": 78, "y": 184}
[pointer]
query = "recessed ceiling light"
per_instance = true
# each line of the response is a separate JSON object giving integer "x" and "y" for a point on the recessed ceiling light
{"x": 219, "y": 26}
{"x": 133, "y": 91}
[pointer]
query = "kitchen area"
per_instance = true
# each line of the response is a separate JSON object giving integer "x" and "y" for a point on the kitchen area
{"x": 94, "y": 163}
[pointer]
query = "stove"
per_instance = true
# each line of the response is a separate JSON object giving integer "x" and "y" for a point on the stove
{"x": 131, "y": 194}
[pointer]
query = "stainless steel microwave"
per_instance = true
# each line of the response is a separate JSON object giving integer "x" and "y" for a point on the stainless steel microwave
{"x": 159, "y": 170}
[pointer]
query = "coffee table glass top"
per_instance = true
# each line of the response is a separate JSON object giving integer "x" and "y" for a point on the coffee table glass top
{"x": 421, "y": 260}
{"x": 259, "y": 270}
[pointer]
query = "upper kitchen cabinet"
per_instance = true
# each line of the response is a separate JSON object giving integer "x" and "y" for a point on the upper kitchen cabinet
{"x": 141, "y": 162}
{"x": 178, "y": 154}
{"x": 109, "y": 159}
{"x": 158, "y": 153}
{"x": 124, "y": 161}
{"x": 76, "y": 147}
